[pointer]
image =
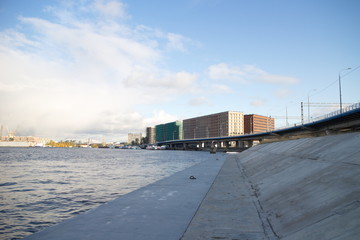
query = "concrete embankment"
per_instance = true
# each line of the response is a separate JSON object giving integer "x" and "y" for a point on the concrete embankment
{"x": 300, "y": 189}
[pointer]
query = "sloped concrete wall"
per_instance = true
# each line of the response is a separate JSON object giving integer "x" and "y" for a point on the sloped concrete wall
{"x": 308, "y": 188}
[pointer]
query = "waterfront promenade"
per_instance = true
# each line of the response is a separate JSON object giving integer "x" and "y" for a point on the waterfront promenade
{"x": 300, "y": 189}
{"x": 230, "y": 210}
{"x": 161, "y": 210}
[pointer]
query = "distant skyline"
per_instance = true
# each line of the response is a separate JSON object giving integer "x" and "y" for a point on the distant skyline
{"x": 92, "y": 69}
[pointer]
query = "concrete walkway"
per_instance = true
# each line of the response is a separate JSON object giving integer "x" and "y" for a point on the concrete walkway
{"x": 230, "y": 209}
{"x": 294, "y": 190}
{"x": 159, "y": 211}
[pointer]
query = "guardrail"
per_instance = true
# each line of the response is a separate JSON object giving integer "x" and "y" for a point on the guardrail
{"x": 328, "y": 115}
{"x": 338, "y": 112}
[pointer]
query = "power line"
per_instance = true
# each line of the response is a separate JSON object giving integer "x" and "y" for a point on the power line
{"x": 320, "y": 91}
{"x": 352, "y": 70}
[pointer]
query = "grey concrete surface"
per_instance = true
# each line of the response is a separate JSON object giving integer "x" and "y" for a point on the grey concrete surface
{"x": 161, "y": 210}
{"x": 300, "y": 189}
{"x": 229, "y": 210}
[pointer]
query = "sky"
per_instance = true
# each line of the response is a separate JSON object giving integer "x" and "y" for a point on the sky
{"x": 89, "y": 69}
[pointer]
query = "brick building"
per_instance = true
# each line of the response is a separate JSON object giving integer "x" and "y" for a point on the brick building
{"x": 222, "y": 124}
{"x": 254, "y": 123}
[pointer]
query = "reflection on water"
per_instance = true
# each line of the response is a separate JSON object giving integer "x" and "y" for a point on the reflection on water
{"x": 43, "y": 186}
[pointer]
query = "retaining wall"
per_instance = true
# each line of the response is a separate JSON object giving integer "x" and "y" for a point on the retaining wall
{"x": 308, "y": 188}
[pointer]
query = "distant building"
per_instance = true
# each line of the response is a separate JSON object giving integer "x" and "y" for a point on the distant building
{"x": 169, "y": 131}
{"x": 222, "y": 124}
{"x": 254, "y": 123}
{"x": 150, "y": 135}
{"x": 134, "y": 138}
{"x": 11, "y": 140}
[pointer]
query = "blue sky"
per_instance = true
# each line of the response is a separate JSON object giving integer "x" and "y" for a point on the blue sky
{"x": 87, "y": 69}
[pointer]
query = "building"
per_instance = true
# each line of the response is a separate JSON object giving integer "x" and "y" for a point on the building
{"x": 134, "y": 138}
{"x": 254, "y": 123}
{"x": 222, "y": 124}
{"x": 150, "y": 135}
{"x": 169, "y": 131}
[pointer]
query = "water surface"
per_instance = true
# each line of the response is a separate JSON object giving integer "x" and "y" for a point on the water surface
{"x": 43, "y": 186}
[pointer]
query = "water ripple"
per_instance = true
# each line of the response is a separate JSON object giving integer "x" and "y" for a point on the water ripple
{"x": 43, "y": 186}
{"x": 7, "y": 184}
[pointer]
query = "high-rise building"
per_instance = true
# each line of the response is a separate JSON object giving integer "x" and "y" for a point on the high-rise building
{"x": 150, "y": 135}
{"x": 134, "y": 138}
{"x": 169, "y": 131}
{"x": 254, "y": 123}
{"x": 222, "y": 124}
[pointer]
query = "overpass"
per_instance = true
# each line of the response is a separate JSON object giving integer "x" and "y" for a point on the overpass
{"x": 346, "y": 120}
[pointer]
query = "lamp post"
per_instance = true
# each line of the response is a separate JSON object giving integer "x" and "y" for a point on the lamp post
{"x": 340, "y": 86}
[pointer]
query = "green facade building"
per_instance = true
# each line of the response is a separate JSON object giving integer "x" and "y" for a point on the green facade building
{"x": 169, "y": 131}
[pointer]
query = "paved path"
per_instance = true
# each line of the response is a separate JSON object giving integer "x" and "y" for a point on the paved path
{"x": 230, "y": 210}
{"x": 159, "y": 211}
{"x": 293, "y": 190}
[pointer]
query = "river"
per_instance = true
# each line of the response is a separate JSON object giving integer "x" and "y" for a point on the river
{"x": 40, "y": 187}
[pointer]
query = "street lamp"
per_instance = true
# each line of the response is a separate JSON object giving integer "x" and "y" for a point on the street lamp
{"x": 340, "y": 86}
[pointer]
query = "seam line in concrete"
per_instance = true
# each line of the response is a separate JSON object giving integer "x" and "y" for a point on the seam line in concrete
{"x": 202, "y": 201}
{"x": 265, "y": 223}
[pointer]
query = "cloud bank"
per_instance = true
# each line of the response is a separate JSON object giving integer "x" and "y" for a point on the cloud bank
{"x": 77, "y": 76}
{"x": 83, "y": 71}
{"x": 246, "y": 74}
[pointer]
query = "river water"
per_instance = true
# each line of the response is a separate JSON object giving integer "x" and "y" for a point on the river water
{"x": 43, "y": 186}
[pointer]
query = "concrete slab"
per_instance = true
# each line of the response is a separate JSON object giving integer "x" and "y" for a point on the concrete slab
{"x": 229, "y": 211}
{"x": 302, "y": 184}
{"x": 329, "y": 227}
{"x": 299, "y": 189}
{"x": 161, "y": 210}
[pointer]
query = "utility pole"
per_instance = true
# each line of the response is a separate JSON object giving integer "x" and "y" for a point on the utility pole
{"x": 340, "y": 87}
{"x": 302, "y": 113}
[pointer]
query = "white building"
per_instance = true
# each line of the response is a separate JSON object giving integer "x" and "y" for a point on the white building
{"x": 134, "y": 137}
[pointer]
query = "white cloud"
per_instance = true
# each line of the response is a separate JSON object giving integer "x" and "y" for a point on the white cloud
{"x": 158, "y": 117}
{"x": 246, "y": 74}
{"x": 172, "y": 42}
{"x": 221, "y": 88}
{"x": 110, "y": 8}
{"x": 177, "y": 42}
{"x": 258, "y": 103}
{"x": 79, "y": 78}
{"x": 85, "y": 45}
{"x": 223, "y": 71}
{"x": 171, "y": 82}
{"x": 282, "y": 93}
{"x": 198, "y": 101}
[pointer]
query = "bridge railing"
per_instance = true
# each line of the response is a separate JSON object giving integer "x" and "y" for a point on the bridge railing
{"x": 328, "y": 115}
{"x": 338, "y": 112}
